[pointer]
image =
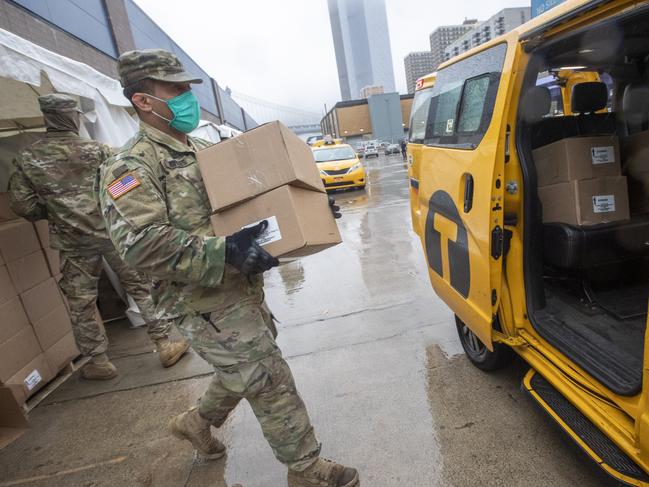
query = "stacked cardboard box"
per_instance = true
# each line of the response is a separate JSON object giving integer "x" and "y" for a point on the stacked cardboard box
{"x": 269, "y": 174}
{"x": 635, "y": 149}
{"x": 36, "y": 339}
{"x": 580, "y": 181}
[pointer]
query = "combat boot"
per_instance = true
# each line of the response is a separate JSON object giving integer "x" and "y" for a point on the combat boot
{"x": 170, "y": 352}
{"x": 191, "y": 427}
{"x": 99, "y": 368}
{"x": 324, "y": 473}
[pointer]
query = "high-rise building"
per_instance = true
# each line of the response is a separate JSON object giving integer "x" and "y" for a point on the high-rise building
{"x": 496, "y": 25}
{"x": 418, "y": 64}
{"x": 441, "y": 37}
{"x": 362, "y": 45}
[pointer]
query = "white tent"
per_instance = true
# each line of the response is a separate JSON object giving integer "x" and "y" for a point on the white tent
{"x": 28, "y": 71}
{"x": 214, "y": 133}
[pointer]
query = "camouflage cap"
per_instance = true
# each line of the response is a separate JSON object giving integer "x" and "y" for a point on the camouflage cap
{"x": 57, "y": 102}
{"x": 156, "y": 64}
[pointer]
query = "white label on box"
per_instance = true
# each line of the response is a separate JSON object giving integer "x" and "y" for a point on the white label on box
{"x": 604, "y": 203}
{"x": 271, "y": 234}
{"x": 32, "y": 380}
{"x": 603, "y": 155}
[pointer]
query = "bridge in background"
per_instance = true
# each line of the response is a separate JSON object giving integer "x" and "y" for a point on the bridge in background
{"x": 300, "y": 121}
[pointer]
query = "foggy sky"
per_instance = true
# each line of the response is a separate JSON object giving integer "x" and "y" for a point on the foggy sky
{"x": 282, "y": 51}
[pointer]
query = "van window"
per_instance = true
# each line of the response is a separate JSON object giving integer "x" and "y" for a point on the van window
{"x": 473, "y": 102}
{"x": 461, "y": 106}
{"x": 419, "y": 115}
{"x": 447, "y": 101}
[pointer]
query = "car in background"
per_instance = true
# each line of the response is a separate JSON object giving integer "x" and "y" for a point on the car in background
{"x": 371, "y": 150}
{"x": 313, "y": 139}
{"x": 392, "y": 149}
{"x": 340, "y": 167}
{"x": 360, "y": 150}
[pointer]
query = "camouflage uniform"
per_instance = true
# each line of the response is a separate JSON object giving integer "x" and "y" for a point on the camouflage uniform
{"x": 55, "y": 179}
{"x": 161, "y": 226}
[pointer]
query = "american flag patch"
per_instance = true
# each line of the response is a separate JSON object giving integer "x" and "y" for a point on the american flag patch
{"x": 123, "y": 185}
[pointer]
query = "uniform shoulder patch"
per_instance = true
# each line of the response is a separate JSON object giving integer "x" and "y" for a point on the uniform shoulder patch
{"x": 123, "y": 185}
{"x": 117, "y": 172}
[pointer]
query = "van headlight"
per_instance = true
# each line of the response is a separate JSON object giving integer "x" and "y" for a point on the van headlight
{"x": 323, "y": 173}
{"x": 356, "y": 167}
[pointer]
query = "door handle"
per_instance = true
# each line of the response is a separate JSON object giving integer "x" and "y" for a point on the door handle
{"x": 468, "y": 192}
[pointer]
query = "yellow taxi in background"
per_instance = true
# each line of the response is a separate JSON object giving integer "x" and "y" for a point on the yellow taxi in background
{"x": 339, "y": 166}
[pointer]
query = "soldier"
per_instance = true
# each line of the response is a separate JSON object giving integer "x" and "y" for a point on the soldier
{"x": 157, "y": 213}
{"x": 55, "y": 179}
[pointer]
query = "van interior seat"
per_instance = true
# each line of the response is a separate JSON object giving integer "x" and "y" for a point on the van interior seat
{"x": 580, "y": 248}
{"x": 635, "y": 105}
{"x": 586, "y": 100}
{"x": 567, "y": 246}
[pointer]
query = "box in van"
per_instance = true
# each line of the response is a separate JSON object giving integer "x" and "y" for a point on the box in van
{"x": 586, "y": 202}
{"x": 577, "y": 158}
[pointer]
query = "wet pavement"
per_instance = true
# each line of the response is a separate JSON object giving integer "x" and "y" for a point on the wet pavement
{"x": 375, "y": 356}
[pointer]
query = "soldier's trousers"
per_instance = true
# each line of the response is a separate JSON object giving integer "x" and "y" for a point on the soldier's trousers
{"x": 268, "y": 386}
{"x": 81, "y": 273}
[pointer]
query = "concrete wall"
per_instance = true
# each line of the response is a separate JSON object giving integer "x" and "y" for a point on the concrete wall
{"x": 347, "y": 121}
{"x": 28, "y": 26}
{"x": 95, "y": 32}
{"x": 406, "y": 108}
{"x": 353, "y": 119}
{"x": 385, "y": 112}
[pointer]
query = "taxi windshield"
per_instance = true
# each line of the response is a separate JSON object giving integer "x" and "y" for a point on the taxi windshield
{"x": 334, "y": 154}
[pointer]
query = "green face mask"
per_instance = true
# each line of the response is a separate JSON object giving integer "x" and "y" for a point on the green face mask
{"x": 186, "y": 111}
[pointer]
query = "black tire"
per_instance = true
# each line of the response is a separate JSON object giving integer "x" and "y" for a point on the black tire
{"x": 478, "y": 354}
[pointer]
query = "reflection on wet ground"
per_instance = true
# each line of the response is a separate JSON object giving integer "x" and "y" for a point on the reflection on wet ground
{"x": 375, "y": 356}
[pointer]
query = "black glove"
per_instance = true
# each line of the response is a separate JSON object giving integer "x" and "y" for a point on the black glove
{"x": 335, "y": 209}
{"x": 243, "y": 253}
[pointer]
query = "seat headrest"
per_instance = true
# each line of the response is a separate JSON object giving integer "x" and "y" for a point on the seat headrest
{"x": 589, "y": 97}
{"x": 536, "y": 104}
{"x": 636, "y": 99}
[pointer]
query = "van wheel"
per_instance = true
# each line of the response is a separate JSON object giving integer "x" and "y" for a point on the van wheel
{"x": 478, "y": 354}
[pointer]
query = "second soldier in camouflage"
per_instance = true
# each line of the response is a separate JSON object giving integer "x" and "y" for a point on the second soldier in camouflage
{"x": 55, "y": 179}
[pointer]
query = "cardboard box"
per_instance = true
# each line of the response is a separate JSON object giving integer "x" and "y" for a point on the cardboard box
{"x": 12, "y": 419}
{"x": 30, "y": 378}
{"x": 300, "y": 221}
{"x": 53, "y": 261}
{"x": 6, "y": 213}
{"x": 7, "y": 289}
{"x": 60, "y": 354}
{"x": 258, "y": 161}
{"x": 52, "y": 327}
{"x": 17, "y": 239}
{"x": 577, "y": 158}
{"x": 28, "y": 271}
{"x": 17, "y": 352}
{"x": 42, "y": 228}
{"x": 586, "y": 202}
{"x": 41, "y": 300}
{"x": 14, "y": 319}
{"x": 635, "y": 150}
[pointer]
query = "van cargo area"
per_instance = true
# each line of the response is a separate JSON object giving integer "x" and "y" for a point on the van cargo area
{"x": 586, "y": 169}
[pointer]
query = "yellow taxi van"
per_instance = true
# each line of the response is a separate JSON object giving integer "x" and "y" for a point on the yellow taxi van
{"x": 529, "y": 187}
{"x": 339, "y": 165}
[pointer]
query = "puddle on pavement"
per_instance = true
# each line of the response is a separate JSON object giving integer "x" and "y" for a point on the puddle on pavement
{"x": 490, "y": 433}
